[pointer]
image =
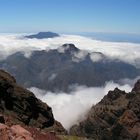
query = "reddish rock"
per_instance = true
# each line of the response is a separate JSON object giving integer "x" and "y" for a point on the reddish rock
{"x": 16, "y": 132}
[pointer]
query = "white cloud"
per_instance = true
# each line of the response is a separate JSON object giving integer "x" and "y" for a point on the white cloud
{"x": 127, "y": 52}
{"x": 95, "y": 57}
{"x": 79, "y": 56}
{"x": 52, "y": 77}
{"x": 70, "y": 108}
{"x": 130, "y": 82}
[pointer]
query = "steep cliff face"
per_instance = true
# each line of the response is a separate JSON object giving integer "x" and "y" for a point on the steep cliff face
{"x": 115, "y": 117}
{"x": 20, "y": 106}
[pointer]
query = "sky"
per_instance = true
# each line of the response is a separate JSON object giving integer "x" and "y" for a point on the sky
{"x": 121, "y": 16}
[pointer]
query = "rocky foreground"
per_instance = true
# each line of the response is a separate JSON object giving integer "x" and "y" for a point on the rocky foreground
{"x": 115, "y": 117}
{"x": 16, "y": 132}
{"x": 22, "y": 115}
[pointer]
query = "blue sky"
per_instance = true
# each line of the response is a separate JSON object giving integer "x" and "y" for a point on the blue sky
{"x": 121, "y": 16}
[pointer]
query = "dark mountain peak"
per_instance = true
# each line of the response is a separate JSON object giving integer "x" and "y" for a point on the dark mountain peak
{"x": 69, "y": 48}
{"x": 137, "y": 86}
{"x": 115, "y": 93}
{"x": 43, "y": 35}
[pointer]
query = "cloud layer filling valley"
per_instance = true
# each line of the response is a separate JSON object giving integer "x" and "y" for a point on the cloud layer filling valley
{"x": 71, "y": 108}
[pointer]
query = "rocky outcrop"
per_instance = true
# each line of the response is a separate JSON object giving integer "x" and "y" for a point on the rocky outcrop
{"x": 115, "y": 117}
{"x": 17, "y": 132}
{"x": 20, "y": 106}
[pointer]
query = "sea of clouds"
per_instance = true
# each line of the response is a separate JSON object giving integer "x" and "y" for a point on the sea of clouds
{"x": 127, "y": 52}
{"x": 71, "y": 108}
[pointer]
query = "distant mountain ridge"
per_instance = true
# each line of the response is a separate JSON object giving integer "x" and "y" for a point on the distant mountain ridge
{"x": 58, "y": 69}
{"x": 43, "y": 35}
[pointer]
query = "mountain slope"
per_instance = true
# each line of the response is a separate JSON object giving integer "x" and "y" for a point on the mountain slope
{"x": 20, "y": 106}
{"x": 115, "y": 117}
{"x": 58, "y": 69}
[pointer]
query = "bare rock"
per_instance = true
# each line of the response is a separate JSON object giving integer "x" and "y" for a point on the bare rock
{"x": 115, "y": 117}
{"x": 20, "y": 106}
